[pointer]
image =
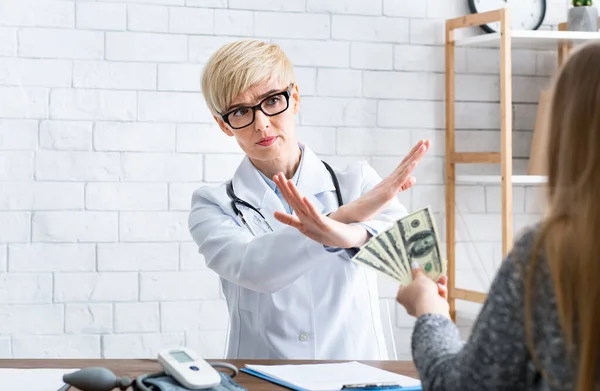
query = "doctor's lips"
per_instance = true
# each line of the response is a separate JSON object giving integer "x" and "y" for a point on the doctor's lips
{"x": 266, "y": 141}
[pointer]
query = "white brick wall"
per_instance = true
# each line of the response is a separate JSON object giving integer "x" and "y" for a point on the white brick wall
{"x": 103, "y": 133}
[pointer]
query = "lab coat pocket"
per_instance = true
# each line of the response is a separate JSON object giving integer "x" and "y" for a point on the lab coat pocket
{"x": 253, "y": 221}
{"x": 259, "y": 225}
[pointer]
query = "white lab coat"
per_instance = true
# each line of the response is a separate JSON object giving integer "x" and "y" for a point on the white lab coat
{"x": 288, "y": 297}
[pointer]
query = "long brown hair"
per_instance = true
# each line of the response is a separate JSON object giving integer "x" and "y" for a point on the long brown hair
{"x": 570, "y": 231}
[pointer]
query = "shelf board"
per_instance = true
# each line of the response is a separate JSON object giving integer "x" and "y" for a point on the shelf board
{"x": 537, "y": 39}
{"x": 495, "y": 179}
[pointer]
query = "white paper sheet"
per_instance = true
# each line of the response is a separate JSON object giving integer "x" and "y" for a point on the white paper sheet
{"x": 328, "y": 377}
{"x": 46, "y": 379}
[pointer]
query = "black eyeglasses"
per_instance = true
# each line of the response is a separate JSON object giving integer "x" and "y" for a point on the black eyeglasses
{"x": 272, "y": 105}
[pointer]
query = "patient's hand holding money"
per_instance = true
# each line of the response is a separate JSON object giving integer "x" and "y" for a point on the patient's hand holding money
{"x": 423, "y": 296}
{"x": 409, "y": 252}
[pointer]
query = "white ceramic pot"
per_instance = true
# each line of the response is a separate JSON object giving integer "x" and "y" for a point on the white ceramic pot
{"x": 583, "y": 18}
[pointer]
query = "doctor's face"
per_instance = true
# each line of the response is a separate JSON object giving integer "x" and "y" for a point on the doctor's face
{"x": 262, "y": 119}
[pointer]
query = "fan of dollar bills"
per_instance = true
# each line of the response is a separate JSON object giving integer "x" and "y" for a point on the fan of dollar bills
{"x": 413, "y": 238}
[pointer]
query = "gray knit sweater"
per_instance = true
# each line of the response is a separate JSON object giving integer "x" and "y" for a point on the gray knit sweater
{"x": 496, "y": 356}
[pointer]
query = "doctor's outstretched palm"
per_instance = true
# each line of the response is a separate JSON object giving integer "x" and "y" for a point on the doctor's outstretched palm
{"x": 373, "y": 201}
{"x": 313, "y": 224}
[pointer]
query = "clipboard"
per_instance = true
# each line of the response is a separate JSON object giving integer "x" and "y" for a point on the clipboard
{"x": 379, "y": 386}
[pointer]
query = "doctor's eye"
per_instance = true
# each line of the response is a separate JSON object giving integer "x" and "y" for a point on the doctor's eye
{"x": 274, "y": 100}
{"x": 240, "y": 112}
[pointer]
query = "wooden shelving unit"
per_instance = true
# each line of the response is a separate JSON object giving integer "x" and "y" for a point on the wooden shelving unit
{"x": 504, "y": 40}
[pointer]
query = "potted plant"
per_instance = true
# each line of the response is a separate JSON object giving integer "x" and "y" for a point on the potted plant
{"x": 583, "y": 16}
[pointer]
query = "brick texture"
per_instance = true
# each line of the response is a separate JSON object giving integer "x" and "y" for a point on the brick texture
{"x": 103, "y": 138}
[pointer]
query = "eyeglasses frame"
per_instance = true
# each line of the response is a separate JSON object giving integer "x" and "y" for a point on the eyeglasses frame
{"x": 287, "y": 93}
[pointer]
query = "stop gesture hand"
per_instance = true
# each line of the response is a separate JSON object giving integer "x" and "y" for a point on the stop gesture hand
{"x": 312, "y": 223}
{"x": 373, "y": 201}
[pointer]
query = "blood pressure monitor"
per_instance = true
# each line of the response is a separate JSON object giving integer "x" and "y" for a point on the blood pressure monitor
{"x": 188, "y": 368}
{"x": 180, "y": 365}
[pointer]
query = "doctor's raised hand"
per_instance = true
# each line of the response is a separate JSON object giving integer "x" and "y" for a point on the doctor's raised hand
{"x": 291, "y": 292}
{"x": 373, "y": 201}
{"x": 310, "y": 223}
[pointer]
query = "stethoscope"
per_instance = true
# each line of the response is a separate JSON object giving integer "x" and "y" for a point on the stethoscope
{"x": 103, "y": 379}
{"x": 236, "y": 200}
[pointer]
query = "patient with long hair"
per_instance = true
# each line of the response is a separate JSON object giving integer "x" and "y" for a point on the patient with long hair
{"x": 539, "y": 328}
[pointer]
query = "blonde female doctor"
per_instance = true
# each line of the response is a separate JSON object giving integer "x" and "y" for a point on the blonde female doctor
{"x": 292, "y": 291}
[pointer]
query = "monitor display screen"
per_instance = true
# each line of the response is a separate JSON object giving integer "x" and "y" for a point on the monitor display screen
{"x": 181, "y": 357}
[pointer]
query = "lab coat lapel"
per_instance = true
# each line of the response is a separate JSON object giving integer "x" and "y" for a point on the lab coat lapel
{"x": 314, "y": 179}
{"x": 251, "y": 187}
{"x": 247, "y": 183}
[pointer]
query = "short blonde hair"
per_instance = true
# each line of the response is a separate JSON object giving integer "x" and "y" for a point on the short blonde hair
{"x": 239, "y": 65}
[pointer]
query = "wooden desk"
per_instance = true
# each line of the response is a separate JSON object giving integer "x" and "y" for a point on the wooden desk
{"x": 135, "y": 367}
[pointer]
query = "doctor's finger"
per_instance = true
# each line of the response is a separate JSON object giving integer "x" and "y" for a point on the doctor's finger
{"x": 313, "y": 214}
{"x": 281, "y": 183}
{"x": 404, "y": 169}
{"x": 298, "y": 203}
{"x": 419, "y": 148}
{"x": 416, "y": 153}
{"x": 410, "y": 182}
{"x": 305, "y": 210}
{"x": 287, "y": 219}
{"x": 412, "y": 151}
{"x": 288, "y": 191}
{"x": 401, "y": 175}
{"x": 414, "y": 157}
{"x": 292, "y": 191}
{"x": 303, "y": 213}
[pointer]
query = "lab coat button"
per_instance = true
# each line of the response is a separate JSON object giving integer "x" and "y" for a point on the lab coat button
{"x": 303, "y": 337}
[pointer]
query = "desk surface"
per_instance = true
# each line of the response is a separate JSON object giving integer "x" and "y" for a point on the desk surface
{"x": 135, "y": 367}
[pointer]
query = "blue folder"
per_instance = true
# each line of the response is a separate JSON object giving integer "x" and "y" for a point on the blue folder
{"x": 293, "y": 387}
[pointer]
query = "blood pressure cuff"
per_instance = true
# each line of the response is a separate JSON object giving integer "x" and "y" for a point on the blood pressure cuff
{"x": 167, "y": 383}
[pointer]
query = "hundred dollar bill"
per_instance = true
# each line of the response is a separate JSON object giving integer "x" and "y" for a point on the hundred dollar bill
{"x": 393, "y": 234}
{"x": 444, "y": 267}
{"x": 391, "y": 243}
{"x": 378, "y": 250}
{"x": 368, "y": 257}
{"x": 421, "y": 242}
{"x": 389, "y": 252}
